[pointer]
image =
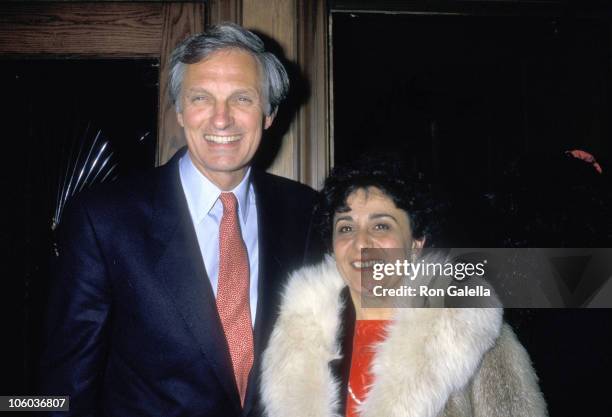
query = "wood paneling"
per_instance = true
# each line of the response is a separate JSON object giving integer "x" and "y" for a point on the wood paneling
{"x": 110, "y": 30}
{"x": 82, "y": 29}
{"x": 313, "y": 118}
{"x": 301, "y": 29}
{"x": 218, "y": 11}
{"x": 277, "y": 20}
{"x": 179, "y": 21}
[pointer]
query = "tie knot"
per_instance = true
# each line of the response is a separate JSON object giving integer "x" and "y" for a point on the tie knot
{"x": 229, "y": 202}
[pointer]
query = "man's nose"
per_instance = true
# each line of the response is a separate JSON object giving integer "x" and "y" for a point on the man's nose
{"x": 222, "y": 117}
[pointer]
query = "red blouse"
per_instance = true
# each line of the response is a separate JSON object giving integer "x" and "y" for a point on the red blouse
{"x": 367, "y": 334}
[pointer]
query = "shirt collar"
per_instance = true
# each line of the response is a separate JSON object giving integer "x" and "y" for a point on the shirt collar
{"x": 202, "y": 193}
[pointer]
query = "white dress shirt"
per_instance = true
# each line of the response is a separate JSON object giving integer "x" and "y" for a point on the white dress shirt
{"x": 206, "y": 211}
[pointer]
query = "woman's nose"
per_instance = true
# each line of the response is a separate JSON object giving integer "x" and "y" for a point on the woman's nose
{"x": 363, "y": 240}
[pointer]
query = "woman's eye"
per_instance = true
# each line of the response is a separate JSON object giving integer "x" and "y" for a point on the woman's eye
{"x": 382, "y": 226}
{"x": 344, "y": 229}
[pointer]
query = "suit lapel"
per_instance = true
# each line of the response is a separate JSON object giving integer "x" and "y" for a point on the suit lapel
{"x": 271, "y": 252}
{"x": 271, "y": 271}
{"x": 182, "y": 271}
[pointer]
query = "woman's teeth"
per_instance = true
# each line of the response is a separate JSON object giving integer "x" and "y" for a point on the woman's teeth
{"x": 366, "y": 264}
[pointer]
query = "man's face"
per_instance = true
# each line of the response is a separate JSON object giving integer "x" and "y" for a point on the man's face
{"x": 222, "y": 115}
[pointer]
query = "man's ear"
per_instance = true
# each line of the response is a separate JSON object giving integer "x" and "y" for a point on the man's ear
{"x": 269, "y": 119}
{"x": 179, "y": 118}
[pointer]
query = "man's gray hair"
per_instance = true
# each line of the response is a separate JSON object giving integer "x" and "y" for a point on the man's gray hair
{"x": 274, "y": 79}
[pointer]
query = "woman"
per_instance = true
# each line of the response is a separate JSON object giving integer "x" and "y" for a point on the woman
{"x": 328, "y": 356}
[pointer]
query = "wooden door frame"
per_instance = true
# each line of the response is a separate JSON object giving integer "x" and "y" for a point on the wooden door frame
{"x": 105, "y": 30}
{"x": 315, "y": 118}
{"x": 152, "y": 29}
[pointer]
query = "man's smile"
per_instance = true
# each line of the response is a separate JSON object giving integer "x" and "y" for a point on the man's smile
{"x": 222, "y": 139}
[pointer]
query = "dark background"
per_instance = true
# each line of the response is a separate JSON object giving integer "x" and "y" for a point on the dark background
{"x": 485, "y": 106}
{"x": 462, "y": 97}
{"x": 52, "y": 108}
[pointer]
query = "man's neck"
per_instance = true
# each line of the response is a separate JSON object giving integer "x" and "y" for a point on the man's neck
{"x": 225, "y": 181}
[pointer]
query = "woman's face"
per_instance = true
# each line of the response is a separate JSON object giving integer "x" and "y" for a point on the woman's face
{"x": 373, "y": 221}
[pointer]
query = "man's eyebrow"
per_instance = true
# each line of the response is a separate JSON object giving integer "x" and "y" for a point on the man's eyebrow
{"x": 197, "y": 90}
{"x": 239, "y": 91}
{"x": 375, "y": 216}
{"x": 246, "y": 91}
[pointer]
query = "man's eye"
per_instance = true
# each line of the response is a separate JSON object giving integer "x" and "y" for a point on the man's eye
{"x": 197, "y": 99}
{"x": 244, "y": 100}
{"x": 344, "y": 229}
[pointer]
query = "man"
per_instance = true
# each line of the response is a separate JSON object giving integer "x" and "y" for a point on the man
{"x": 167, "y": 285}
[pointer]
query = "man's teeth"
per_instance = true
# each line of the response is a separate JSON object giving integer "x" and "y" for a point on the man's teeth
{"x": 221, "y": 139}
{"x": 366, "y": 264}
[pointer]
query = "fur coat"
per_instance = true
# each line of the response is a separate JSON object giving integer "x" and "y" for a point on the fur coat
{"x": 435, "y": 362}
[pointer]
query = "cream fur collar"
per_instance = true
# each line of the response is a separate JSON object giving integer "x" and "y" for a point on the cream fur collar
{"x": 429, "y": 353}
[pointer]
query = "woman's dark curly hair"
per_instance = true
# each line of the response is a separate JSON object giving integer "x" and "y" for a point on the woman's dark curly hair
{"x": 386, "y": 174}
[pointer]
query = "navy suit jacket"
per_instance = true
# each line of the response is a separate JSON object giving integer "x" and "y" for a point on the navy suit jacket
{"x": 132, "y": 327}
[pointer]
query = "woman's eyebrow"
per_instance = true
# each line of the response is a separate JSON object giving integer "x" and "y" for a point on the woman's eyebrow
{"x": 375, "y": 216}
{"x": 346, "y": 217}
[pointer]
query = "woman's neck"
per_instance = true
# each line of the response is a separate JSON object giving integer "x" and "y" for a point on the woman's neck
{"x": 370, "y": 313}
